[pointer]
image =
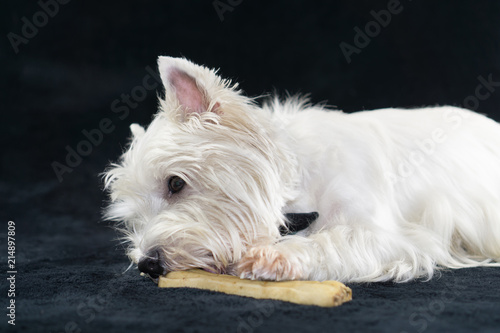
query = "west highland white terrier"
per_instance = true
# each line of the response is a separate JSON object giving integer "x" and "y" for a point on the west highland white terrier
{"x": 212, "y": 183}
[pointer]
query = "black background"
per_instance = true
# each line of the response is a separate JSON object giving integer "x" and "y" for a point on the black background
{"x": 64, "y": 79}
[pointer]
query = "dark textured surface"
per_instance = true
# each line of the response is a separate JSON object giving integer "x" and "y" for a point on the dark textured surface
{"x": 71, "y": 274}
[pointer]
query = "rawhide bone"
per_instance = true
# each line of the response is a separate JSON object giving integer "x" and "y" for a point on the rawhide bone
{"x": 326, "y": 293}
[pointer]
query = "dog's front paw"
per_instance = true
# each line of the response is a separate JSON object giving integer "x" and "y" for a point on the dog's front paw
{"x": 268, "y": 263}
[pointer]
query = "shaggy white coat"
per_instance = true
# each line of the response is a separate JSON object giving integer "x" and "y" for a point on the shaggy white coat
{"x": 400, "y": 193}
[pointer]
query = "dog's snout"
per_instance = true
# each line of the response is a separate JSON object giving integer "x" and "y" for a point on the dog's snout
{"x": 151, "y": 264}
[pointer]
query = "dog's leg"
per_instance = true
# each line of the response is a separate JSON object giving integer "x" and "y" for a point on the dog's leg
{"x": 344, "y": 253}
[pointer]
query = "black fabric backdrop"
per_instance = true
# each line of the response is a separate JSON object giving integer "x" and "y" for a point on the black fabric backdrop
{"x": 61, "y": 76}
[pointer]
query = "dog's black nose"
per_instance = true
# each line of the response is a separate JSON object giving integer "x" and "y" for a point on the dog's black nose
{"x": 151, "y": 264}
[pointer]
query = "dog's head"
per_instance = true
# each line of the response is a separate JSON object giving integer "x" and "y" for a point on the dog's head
{"x": 205, "y": 181}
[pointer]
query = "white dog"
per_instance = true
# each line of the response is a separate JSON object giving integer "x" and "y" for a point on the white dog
{"x": 399, "y": 193}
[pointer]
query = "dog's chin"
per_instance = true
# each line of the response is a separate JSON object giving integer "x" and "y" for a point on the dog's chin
{"x": 214, "y": 269}
{"x": 209, "y": 269}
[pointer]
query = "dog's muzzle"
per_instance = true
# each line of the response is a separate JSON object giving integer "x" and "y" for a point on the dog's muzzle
{"x": 151, "y": 264}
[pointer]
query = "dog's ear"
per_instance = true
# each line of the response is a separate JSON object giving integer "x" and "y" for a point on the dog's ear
{"x": 186, "y": 86}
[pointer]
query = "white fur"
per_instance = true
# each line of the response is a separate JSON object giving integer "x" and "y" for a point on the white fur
{"x": 399, "y": 193}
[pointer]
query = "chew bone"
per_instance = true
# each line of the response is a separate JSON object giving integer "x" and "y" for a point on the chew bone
{"x": 326, "y": 293}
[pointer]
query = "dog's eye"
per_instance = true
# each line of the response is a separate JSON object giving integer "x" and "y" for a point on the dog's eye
{"x": 175, "y": 184}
